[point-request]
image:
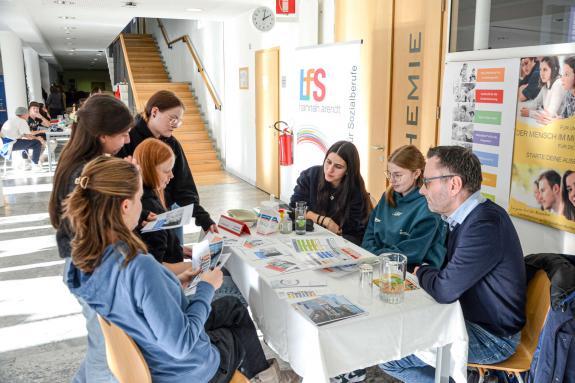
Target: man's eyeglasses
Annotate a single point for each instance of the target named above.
(393, 176)
(427, 181)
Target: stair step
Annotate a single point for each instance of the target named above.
(148, 63)
(138, 36)
(203, 166)
(198, 145)
(201, 155)
(132, 55)
(151, 59)
(150, 80)
(137, 50)
(150, 76)
(214, 177)
(153, 88)
(193, 136)
(140, 43)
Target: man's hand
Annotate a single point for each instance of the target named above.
(214, 277)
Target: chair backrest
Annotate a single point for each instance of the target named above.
(538, 302)
(124, 357)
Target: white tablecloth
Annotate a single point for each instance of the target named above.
(388, 332)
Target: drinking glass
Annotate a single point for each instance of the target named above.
(393, 267)
(300, 210)
(365, 293)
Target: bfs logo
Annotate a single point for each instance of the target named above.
(306, 79)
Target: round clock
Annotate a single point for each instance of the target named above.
(263, 19)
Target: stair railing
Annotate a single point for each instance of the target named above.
(186, 40)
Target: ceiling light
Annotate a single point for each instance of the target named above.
(194, 9)
(70, 38)
(67, 17)
(71, 53)
(72, 50)
(130, 4)
(64, 2)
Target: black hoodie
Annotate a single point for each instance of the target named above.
(182, 188)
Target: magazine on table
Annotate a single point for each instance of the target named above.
(170, 219)
(328, 309)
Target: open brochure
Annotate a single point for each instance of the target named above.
(328, 309)
(171, 219)
(200, 259)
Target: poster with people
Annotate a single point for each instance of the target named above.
(543, 175)
(479, 101)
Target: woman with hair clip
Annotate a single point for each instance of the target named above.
(568, 194)
(163, 114)
(335, 193)
(102, 127)
(181, 339)
(401, 222)
(156, 160)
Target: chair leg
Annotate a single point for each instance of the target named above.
(519, 378)
(481, 374)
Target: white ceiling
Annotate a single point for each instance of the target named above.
(93, 24)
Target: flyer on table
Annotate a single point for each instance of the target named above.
(543, 174)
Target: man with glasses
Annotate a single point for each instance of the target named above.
(484, 268)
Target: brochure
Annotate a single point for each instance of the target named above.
(285, 283)
(200, 259)
(328, 309)
(171, 219)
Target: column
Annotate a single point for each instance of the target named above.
(45, 75)
(32, 66)
(13, 66)
(482, 21)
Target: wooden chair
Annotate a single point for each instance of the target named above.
(537, 307)
(127, 362)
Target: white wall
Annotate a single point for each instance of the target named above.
(241, 41)
(207, 37)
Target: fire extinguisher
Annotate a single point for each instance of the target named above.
(285, 143)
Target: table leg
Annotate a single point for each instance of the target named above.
(442, 364)
(49, 153)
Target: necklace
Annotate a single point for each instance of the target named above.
(331, 197)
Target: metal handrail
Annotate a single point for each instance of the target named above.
(186, 40)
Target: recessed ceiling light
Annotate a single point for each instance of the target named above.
(67, 32)
(70, 38)
(71, 53)
(64, 2)
(194, 9)
(67, 17)
(130, 4)
(68, 27)
(72, 50)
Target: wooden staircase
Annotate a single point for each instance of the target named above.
(147, 76)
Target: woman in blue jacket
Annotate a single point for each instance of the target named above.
(181, 339)
(401, 221)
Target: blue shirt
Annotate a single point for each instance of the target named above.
(459, 215)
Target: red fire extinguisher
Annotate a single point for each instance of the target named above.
(285, 143)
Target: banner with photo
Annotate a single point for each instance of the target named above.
(478, 112)
(328, 102)
(543, 176)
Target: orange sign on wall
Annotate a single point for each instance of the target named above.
(491, 75)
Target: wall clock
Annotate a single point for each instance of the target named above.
(263, 19)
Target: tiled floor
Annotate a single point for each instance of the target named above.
(41, 327)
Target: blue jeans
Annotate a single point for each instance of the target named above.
(484, 348)
(94, 367)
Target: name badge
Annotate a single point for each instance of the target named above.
(233, 226)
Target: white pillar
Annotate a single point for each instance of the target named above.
(45, 75)
(482, 21)
(32, 65)
(13, 67)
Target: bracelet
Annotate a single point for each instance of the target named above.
(324, 217)
(317, 219)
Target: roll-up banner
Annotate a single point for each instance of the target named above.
(328, 102)
(478, 112)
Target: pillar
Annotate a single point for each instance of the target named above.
(13, 67)
(482, 21)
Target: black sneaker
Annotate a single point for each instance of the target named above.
(350, 377)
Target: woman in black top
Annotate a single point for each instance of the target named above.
(335, 193)
(162, 115)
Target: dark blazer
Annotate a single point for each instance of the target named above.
(484, 270)
(182, 188)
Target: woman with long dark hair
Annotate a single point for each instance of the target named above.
(335, 193)
(548, 101)
(181, 339)
(568, 194)
(102, 127)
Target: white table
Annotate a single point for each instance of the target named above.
(61, 136)
(388, 332)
